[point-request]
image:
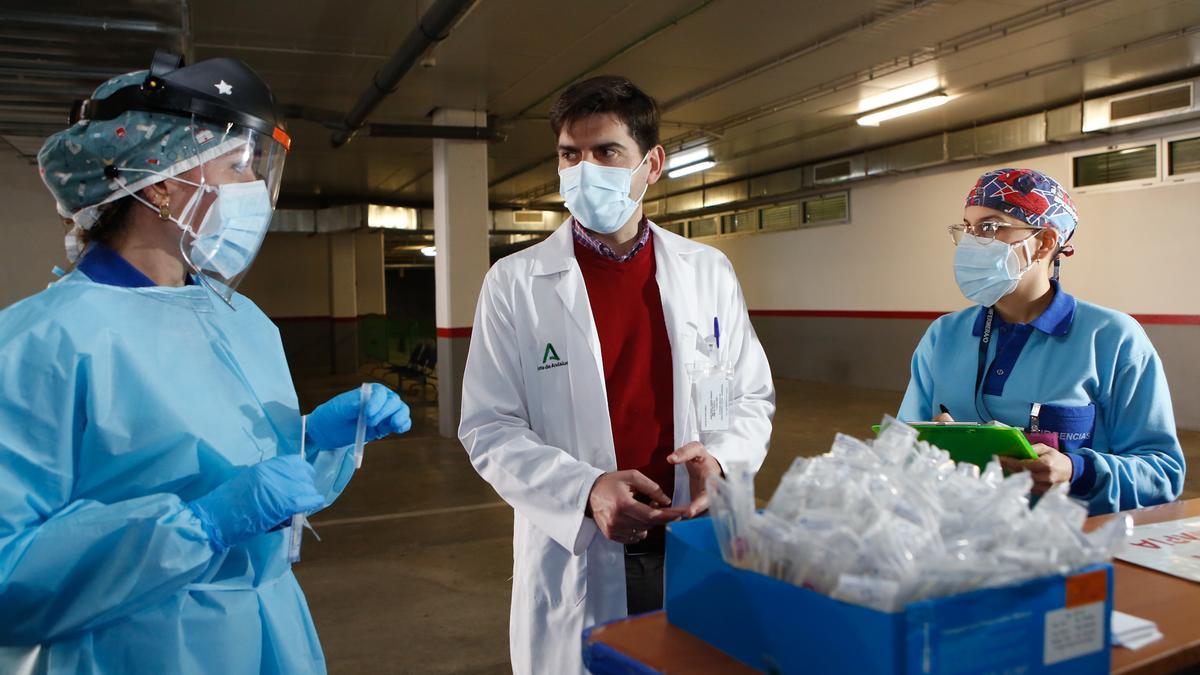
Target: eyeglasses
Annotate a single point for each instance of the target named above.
(985, 230)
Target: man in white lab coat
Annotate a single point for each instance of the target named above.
(577, 400)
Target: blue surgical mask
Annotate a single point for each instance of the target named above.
(986, 272)
(598, 196)
(233, 229)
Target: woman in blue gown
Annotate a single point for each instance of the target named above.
(150, 434)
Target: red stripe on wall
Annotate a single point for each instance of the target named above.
(845, 314)
(464, 332)
(1146, 319)
(1169, 319)
(297, 319)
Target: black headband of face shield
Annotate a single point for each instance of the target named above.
(157, 94)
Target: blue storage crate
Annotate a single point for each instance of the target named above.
(1055, 624)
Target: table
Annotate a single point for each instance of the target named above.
(1173, 603)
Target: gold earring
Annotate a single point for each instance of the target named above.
(164, 210)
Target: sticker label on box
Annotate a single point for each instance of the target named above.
(1084, 589)
(1072, 632)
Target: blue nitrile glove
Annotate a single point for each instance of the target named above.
(257, 499)
(333, 423)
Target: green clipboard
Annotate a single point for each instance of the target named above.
(974, 443)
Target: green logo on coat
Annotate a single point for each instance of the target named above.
(550, 355)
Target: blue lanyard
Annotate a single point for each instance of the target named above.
(985, 341)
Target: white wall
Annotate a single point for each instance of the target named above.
(1136, 249)
(1136, 252)
(32, 230)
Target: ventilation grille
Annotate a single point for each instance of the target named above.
(1166, 100)
(528, 217)
(827, 209)
(1183, 156)
(782, 217)
(1115, 166)
(831, 172)
(704, 227)
(1159, 105)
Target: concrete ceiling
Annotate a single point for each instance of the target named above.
(53, 52)
(769, 83)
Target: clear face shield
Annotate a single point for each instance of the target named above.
(227, 217)
(232, 207)
(236, 174)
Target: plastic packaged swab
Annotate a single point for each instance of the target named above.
(298, 519)
(360, 433)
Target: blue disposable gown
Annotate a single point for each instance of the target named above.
(119, 405)
(1097, 377)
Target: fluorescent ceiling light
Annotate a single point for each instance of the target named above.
(691, 169)
(429, 251)
(903, 109)
(687, 157)
(904, 93)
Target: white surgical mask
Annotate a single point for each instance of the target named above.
(233, 229)
(73, 241)
(598, 196)
(986, 272)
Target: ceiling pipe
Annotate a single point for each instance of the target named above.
(1053, 11)
(1036, 17)
(87, 22)
(334, 122)
(607, 59)
(488, 133)
(433, 27)
(866, 25)
(699, 130)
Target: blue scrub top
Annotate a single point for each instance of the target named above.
(120, 402)
(1097, 377)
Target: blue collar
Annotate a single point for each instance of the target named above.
(1056, 320)
(103, 265)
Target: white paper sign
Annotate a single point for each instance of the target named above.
(1172, 547)
(712, 402)
(1073, 632)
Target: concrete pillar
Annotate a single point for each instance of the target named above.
(372, 297)
(368, 264)
(343, 302)
(460, 232)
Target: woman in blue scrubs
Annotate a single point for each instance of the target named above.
(150, 434)
(1082, 380)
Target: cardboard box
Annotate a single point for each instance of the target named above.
(1057, 624)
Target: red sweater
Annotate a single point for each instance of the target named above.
(636, 351)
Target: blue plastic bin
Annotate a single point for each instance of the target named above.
(1057, 624)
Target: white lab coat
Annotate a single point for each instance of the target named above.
(537, 429)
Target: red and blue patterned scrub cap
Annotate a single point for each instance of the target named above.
(1028, 195)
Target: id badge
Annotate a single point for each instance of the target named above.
(711, 388)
